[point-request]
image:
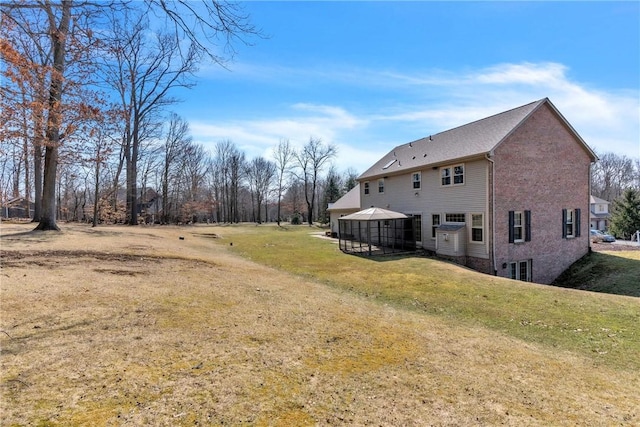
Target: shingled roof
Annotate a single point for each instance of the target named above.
(349, 201)
(467, 141)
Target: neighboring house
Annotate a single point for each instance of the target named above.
(599, 213)
(505, 195)
(347, 204)
(18, 207)
(149, 205)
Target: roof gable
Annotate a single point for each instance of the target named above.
(351, 200)
(594, 199)
(471, 140)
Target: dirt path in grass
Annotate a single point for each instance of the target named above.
(135, 326)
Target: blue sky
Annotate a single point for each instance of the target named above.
(367, 76)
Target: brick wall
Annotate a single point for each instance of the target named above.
(543, 168)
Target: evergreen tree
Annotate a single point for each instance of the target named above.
(625, 218)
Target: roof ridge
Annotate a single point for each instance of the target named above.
(540, 101)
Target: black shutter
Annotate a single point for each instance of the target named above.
(564, 223)
(527, 226)
(511, 223)
(577, 224)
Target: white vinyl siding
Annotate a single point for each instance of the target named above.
(435, 199)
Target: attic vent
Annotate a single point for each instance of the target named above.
(389, 163)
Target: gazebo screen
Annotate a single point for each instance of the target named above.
(377, 237)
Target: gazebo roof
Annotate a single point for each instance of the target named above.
(374, 214)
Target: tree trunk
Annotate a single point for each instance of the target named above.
(58, 44)
(37, 180)
(96, 189)
(48, 217)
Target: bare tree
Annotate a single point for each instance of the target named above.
(177, 136)
(260, 173)
(611, 175)
(229, 170)
(144, 73)
(205, 26)
(193, 168)
(284, 155)
(311, 160)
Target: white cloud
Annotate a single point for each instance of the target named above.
(607, 120)
(413, 105)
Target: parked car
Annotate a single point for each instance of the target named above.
(598, 236)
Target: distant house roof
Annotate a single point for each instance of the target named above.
(594, 199)
(374, 214)
(471, 140)
(349, 201)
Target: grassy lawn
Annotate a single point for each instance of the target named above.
(616, 272)
(603, 327)
(268, 326)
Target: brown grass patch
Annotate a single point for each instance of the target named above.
(132, 326)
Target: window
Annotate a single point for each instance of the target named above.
(416, 180)
(570, 223)
(457, 172)
(520, 270)
(519, 226)
(446, 176)
(418, 227)
(366, 188)
(518, 235)
(477, 228)
(435, 223)
(381, 185)
(454, 217)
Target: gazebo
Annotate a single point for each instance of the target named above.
(377, 231)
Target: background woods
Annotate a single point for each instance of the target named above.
(87, 131)
(96, 141)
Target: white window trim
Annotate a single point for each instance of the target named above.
(571, 219)
(521, 226)
(433, 235)
(366, 188)
(419, 181)
(482, 227)
(381, 180)
(452, 175)
(517, 266)
(446, 221)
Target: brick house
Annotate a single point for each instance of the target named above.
(506, 195)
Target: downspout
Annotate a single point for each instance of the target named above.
(493, 213)
(589, 209)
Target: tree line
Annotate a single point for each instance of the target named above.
(84, 80)
(85, 115)
(87, 131)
